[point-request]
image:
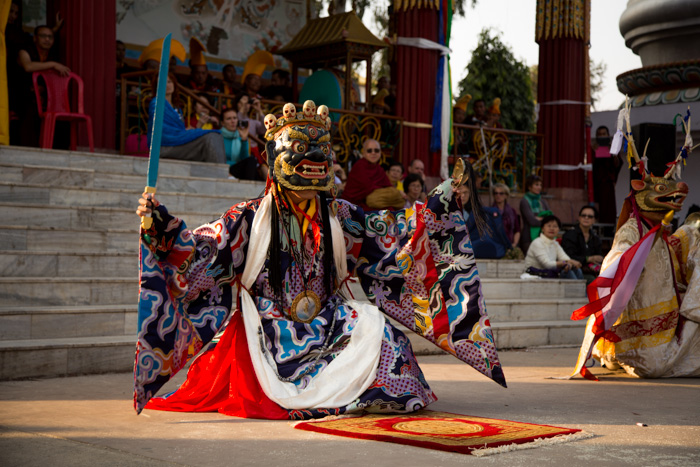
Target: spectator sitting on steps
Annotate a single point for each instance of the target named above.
(368, 186)
(546, 258)
(583, 245)
(179, 142)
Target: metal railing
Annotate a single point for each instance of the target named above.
(512, 154)
(349, 130)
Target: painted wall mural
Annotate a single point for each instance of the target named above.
(230, 29)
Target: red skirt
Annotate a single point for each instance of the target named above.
(223, 380)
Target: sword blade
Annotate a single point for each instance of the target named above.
(157, 130)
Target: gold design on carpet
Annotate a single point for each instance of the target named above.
(438, 427)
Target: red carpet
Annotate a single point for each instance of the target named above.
(437, 430)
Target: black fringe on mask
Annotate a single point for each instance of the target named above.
(275, 274)
(329, 271)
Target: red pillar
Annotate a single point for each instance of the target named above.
(562, 76)
(87, 42)
(414, 72)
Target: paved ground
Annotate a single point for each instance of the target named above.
(88, 421)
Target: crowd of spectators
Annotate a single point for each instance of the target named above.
(499, 231)
(236, 129)
(372, 183)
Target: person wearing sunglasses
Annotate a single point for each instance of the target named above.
(583, 245)
(511, 219)
(368, 185)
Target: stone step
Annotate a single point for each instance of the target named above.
(510, 335)
(53, 357)
(40, 176)
(80, 218)
(84, 196)
(534, 309)
(47, 358)
(100, 290)
(514, 335)
(110, 163)
(38, 239)
(502, 268)
(62, 264)
(53, 322)
(43, 322)
(67, 291)
(66, 261)
(514, 289)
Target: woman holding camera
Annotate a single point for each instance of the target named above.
(251, 115)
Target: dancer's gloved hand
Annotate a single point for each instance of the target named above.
(147, 203)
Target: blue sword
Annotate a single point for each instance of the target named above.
(157, 134)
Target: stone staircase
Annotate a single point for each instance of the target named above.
(69, 262)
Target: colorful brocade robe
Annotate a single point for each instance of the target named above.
(658, 333)
(416, 267)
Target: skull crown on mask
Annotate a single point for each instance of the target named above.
(298, 149)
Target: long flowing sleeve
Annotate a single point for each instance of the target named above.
(188, 284)
(418, 267)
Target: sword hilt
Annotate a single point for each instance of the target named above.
(147, 221)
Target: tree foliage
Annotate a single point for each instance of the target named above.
(494, 72)
(597, 76)
(380, 17)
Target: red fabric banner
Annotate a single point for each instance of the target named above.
(561, 77)
(88, 47)
(414, 72)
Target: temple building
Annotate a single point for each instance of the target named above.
(666, 36)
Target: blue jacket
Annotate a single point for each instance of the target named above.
(174, 131)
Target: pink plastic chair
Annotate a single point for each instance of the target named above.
(58, 107)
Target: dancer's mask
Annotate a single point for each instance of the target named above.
(298, 147)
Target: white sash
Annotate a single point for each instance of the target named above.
(348, 375)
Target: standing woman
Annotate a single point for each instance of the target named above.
(510, 218)
(533, 209)
(250, 114)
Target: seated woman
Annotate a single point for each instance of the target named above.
(179, 142)
(489, 241)
(583, 245)
(414, 187)
(368, 186)
(546, 258)
(241, 164)
(510, 218)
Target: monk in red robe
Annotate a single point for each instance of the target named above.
(368, 185)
